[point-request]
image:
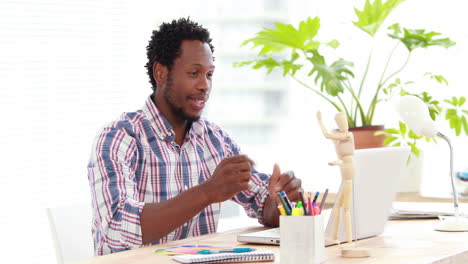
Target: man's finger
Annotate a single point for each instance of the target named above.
(275, 176)
(293, 185)
(239, 159)
(286, 177)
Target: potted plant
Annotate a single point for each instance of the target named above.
(297, 52)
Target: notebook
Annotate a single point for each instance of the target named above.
(253, 256)
(375, 186)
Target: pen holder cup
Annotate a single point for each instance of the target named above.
(302, 239)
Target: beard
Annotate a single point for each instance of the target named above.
(177, 110)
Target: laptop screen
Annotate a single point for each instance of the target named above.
(374, 188)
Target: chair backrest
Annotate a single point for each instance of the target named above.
(71, 232)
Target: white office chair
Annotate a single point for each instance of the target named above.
(71, 232)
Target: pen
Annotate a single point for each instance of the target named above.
(304, 205)
(285, 206)
(316, 196)
(286, 200)
(232, 250)
(324, 198)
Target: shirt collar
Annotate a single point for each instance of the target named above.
(162, 126)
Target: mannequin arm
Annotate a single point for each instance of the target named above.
(336, 163)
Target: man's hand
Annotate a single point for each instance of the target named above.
(284, 182)
(230, 177)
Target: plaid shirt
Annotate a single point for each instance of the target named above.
(135, 161)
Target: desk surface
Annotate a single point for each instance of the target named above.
(410, 241)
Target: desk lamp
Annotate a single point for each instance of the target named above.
(413, 111)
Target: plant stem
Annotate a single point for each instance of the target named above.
(358, 105)
(317, 92)
(362, 83)
(387, 63)
(370, 111)
(399, 70)
(373, 104)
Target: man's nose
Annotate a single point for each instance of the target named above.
(204, 84)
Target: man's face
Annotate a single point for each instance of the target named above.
(189, 82)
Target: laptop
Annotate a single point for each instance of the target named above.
(377, 174)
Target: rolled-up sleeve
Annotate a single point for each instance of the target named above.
(117, 208)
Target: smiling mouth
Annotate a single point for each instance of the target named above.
(198, 102)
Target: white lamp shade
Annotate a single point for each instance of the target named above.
(415, 114)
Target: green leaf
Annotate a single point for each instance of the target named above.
(371, 17)
(412, 135)
(465, 125)
(392, 131)
(458, 127)
(290, 68)
(452, 102)
(242, 63)
(439, 78)
(418, 38)
(268, 63)
(331, 77)
(402, 128)
(389, 140)
(286, 36)
(309, 28)
(461, 101)
(414, 149)
(333, 44)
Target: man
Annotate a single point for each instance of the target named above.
(160, 173)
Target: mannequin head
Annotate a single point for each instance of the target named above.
(342, 121)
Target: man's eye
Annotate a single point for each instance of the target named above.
(210, 75)
(193, 74)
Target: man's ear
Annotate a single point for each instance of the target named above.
(160, 73)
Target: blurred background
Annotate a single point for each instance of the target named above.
(69, 67)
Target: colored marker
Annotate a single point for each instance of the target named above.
(297, 212)
(299, 206)
(309, 204)
(316, 209)
(285, 206)
(281, 210)
(232, 250)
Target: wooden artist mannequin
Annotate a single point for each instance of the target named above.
(344, 146)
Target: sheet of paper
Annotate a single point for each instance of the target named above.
(435, 209)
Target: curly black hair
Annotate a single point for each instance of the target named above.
(164, 46)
